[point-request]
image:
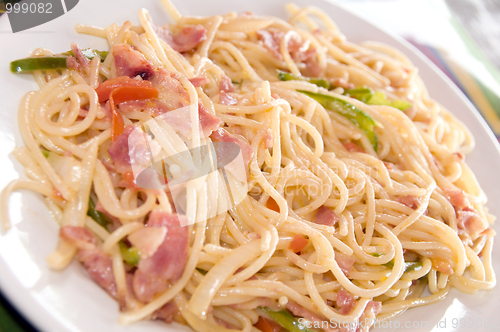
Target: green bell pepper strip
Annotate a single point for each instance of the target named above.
(52, 62)
(379, 98)
(129, 254)
(285, 76)
(362, 94)
(368, 96)
(357, 116)
(99, 217)
(38, 63)
(286, 320)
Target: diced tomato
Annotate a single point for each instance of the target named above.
(117, 124)
(57, 194)
(298, 243)
(129, 93)
(104, 89)
(267, 325)
(121, 95)
(129, 178)
(272, 205)
(351, 147)
(442, 265)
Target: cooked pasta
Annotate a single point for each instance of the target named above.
(353, 199)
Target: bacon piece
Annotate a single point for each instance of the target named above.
(72, 63)
(80, 237)
(82, 113)
(268, 140)
(325, 216)
(187, 39)
(226, 85)
(345, 301)
(172, 93)
(208, 121)
(129, 62)
(222, 135)
(352, 147)
(300, 311)
(311, 65)
(145, 287)
(373, 308)
(148, 240)
(298, 243)
(199, 81)
(271, 39)
(299, 50)
(98, 265)
(83, 62)
(169, 260)
(167, 313)
(345, 262)
(456, 197)
(408, 200)
(181, 121)
(470, 221)
(100, 268)
(227, 99)
(119, 151)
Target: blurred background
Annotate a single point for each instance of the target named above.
(462, 37)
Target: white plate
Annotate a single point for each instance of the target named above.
(69, 300)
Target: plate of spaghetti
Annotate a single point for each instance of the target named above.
(247, 166)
